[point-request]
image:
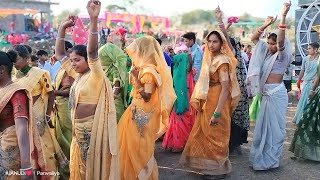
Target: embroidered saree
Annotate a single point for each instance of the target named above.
(143, 122)
(9, 148)
(62, 122)
(207, 148)
(269, 133)
(49, 155)
(310, 70)
(306, 141)
(94, 145)
(183, 115)
(114, 63)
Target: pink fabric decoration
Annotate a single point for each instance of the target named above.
(79, 35)
(233, 19)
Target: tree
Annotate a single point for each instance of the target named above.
(64, 15)
(198, 17)
(115, 8)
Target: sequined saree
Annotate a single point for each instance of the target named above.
(94, 145)
(144, 121)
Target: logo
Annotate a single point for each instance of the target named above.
(30, 172)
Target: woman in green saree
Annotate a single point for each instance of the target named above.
(114, 62)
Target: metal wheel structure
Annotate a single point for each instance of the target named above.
(304, 28)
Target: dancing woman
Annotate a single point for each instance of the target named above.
(215, 96)
(308, 74)
(146, 119)
(267, 66)
(94, 146)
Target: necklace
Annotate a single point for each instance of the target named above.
(26, 70)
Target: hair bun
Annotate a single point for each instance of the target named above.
(12, 55)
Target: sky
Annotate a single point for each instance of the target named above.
(167, 8)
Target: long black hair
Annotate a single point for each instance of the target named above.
(7, 60)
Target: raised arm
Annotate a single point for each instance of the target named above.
(93, 8)
(256, 36)
(282, 26)
(60, 51)
(222, 28)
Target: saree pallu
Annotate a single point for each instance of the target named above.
(9, 153)
(63, 130)
(207, 149)
(49, 154)
(306, 140)
(269, 132)
(180, 125)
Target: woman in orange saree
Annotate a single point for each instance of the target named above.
(215, 96)
(147, 117)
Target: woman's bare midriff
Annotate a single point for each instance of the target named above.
(274, 79)
(85, 110)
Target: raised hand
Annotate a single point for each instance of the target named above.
(69, 22)
(93, 8)
(270, 20)
(286, 8)
(218, 13)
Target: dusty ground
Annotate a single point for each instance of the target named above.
(169, 168)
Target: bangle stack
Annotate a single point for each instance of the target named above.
(282, 27)
(60, 38)
(94, 33)
(259, 31)
(26, 169)
(216, 114)
(221, 25)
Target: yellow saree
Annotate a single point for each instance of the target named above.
(47, 147)
(9, 148)
(94, 146)
(207, 147)
(143, 122)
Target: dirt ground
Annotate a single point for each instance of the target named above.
(169, 168)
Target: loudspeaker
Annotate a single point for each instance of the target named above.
(304, 3)
(298, 15)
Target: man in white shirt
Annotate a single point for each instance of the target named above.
(44, 64)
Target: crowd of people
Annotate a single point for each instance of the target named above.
(91, 112)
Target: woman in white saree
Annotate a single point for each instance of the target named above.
(266, 69)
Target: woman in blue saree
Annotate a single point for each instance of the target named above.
(308, 74)
(266, 69)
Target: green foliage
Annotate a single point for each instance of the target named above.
(64, 15)
(115, 8)
(198, 17)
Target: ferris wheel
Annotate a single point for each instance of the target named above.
(304, 28)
